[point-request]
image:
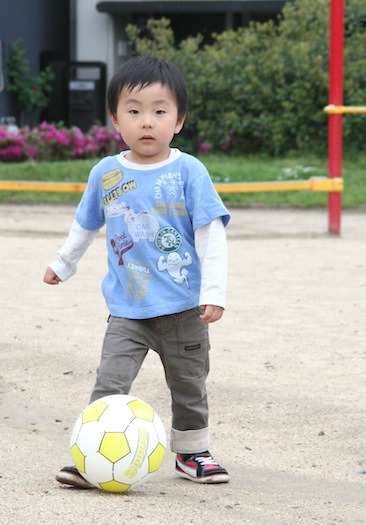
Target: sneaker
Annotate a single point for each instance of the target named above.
(200, 468)
(71, 476)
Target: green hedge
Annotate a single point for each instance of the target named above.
(263, 88)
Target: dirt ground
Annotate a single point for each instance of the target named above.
(287, 382)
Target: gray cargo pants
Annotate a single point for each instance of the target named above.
(181, 340)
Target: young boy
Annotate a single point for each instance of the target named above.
(167, 259)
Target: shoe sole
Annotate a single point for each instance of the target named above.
(67, 478)
(215, 478)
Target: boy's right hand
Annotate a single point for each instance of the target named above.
(50, 277)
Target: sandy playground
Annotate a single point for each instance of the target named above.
(287, 382)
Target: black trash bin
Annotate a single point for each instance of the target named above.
(86, 94)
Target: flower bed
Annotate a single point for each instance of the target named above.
(50, 142)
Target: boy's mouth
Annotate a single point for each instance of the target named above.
(147, 138)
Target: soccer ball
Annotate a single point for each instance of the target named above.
(117, 442)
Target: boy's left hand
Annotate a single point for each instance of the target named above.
(211, 313)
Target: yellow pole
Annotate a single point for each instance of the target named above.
(318, 184)
(313, 184)
(332, 109)
(22, 185)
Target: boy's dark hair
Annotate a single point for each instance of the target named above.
(144, 71)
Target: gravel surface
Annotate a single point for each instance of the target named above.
(287, 382)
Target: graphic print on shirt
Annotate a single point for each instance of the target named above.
(114, 209)
(110, 180)
(140, 225)
(139, 277)
(169, 195)
(168, 240)
(175, 266)
(120, 245)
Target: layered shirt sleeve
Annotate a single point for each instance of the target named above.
(211, 248)
(72, 251)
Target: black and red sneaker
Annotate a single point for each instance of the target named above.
(71, 476)
(200, 468)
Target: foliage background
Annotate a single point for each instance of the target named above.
(263, 88)
(31, 93)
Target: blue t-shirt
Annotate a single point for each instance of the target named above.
(151, 213)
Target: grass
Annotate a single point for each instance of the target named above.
(223, 168)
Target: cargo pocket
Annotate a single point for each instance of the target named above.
(193, 334)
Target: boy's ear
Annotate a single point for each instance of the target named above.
(114, 120)
(180, 124)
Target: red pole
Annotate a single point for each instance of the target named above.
(336, 45)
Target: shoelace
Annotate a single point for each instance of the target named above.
(203, 460)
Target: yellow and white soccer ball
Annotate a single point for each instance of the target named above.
(118, 442)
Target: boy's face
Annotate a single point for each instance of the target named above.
(147, 120)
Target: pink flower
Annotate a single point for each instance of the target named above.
(51, 142)
(204, 147)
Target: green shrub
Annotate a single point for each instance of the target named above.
(31, 93)
(263, 88)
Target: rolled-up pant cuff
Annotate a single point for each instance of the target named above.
(189, 441)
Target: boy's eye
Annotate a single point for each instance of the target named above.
(160, 112)
(133, 111)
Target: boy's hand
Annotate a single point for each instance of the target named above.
(211, 313)
(50, 277)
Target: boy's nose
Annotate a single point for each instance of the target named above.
(146, 122)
